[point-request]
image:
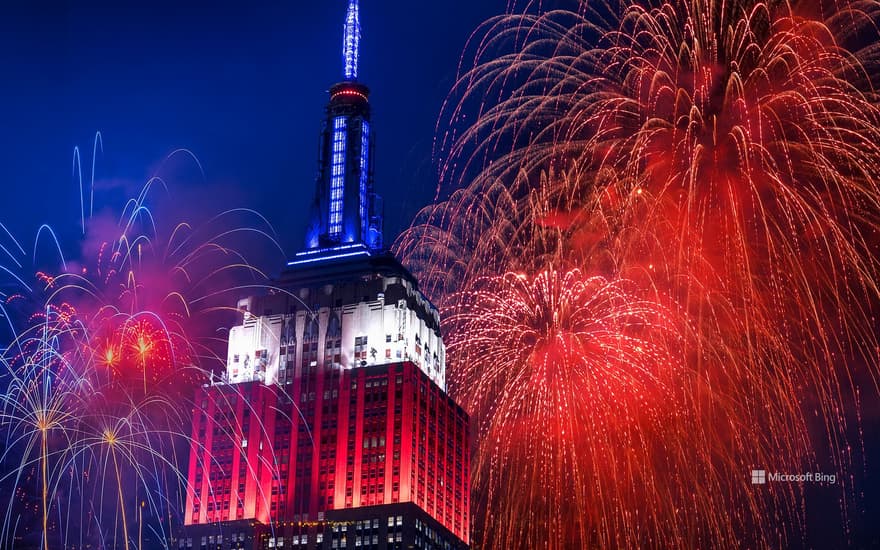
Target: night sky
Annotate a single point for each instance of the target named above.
(242, 85)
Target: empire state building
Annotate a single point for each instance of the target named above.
(331, 427)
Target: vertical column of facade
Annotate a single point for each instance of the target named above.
(212, 478)
(238, 472)
(444, 437)
(316, 415)
(452, 445)
(250, 452)
(419, 439)
(284, 446)
(305, 397)
(375, 447)
(327, 421)
(346, 402)
(266, 467)
(195, 473)
(434, 494)
(426, 446)
(392, 443)
(203, 472)
(357, 469)
(464, 482)
(295, 393)
(407, 435)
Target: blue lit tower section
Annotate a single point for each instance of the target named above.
(352, 41)
(346, 219)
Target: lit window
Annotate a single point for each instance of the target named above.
(337, 176)
(365, 172)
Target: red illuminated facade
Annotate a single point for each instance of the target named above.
(331, 427)
(364, 437)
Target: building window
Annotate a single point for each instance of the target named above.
(365, 173)
(333, 342)
(360, 348)
(337, 176)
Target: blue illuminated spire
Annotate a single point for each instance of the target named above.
(347, 214)
(352, 40)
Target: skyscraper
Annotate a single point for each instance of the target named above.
(331, 427)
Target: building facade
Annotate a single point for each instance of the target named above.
(331, 427)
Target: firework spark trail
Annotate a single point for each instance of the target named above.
(97, 389)
(722, 156)
(83, 420)
(585, 360)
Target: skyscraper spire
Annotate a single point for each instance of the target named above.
(352, 40)
(346, 217)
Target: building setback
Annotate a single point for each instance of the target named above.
(331, 427)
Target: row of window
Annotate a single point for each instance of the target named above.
(211, 539)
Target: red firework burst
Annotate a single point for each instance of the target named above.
(722, 154)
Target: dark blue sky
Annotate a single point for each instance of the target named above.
(242, 85)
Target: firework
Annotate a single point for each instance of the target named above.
(560, 367)
(722, 155)
(97, 387)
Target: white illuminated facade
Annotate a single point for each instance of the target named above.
(383, 320)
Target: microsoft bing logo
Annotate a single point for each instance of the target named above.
(759, 477)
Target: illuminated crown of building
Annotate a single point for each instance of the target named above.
(347, 296)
